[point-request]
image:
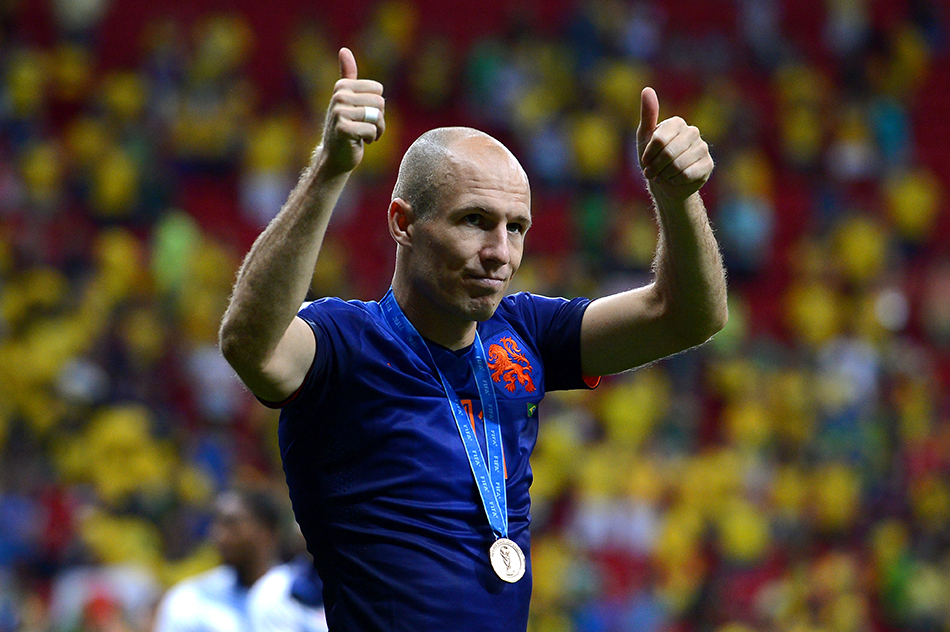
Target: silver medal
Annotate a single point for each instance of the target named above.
(507, 560)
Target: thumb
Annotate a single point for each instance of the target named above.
(649, 114)
(347, 64)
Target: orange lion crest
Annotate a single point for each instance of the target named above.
(507, 362)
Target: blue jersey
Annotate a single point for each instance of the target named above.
(380, 481)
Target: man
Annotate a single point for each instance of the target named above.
(288, 598)
(246, 531)
(407, 424)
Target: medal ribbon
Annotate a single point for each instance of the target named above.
(490, 477)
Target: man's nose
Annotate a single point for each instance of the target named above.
(495, 248)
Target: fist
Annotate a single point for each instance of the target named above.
(356, 115)
(674, 158)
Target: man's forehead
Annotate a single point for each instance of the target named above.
(483, 158)
(465, 149)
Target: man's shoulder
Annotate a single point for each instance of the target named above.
(530, 298)
(275, 582)
(209, 601)
(514, 303)
(516, 314)
(527, 304)
(217, 581)
(339, 312)
(272, 606)
(339, 305)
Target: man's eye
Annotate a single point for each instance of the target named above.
(473, 218)
(515, 228)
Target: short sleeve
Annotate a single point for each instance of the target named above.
(555, 325)
(337, 330)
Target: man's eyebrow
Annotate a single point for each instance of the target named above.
(523, 219)
(489, 210)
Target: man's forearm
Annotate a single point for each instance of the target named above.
(689, 273)
(259, 337)
(276, 273)
(686, 303)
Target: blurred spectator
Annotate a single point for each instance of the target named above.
(288, 598)
(848, 25)
(269, 169)
(108, 599)
(77, 19)
(641, 34)
(214, 105)
(746, 216)
(852, 154)
(431, 77)
(760, 24)
(246, 531)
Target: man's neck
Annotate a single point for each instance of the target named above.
(253, 570)
(432, 323)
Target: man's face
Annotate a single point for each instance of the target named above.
(235, 531)
(466, 251)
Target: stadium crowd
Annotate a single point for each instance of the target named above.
(793, 475)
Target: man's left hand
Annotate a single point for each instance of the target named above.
(673, 156)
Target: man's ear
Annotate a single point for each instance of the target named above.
(401, 218)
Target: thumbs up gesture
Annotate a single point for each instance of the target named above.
(355, 116)
(674, 158)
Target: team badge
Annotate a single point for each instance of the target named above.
(510, 366)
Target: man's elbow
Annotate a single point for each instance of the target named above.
(231, 346)
(246, 364)
(719, 319)
(700, 330)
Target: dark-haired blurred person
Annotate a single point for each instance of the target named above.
(246, 531)
(288, 598)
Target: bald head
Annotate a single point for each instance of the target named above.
(430, 161)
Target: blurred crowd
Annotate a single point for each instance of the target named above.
(793, 475)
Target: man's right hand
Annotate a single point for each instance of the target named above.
(346, 128)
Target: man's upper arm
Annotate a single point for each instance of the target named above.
(285, 372)
(627, 330)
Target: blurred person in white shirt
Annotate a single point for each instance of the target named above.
(288, 598)
(246, 531)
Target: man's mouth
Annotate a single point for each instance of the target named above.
(494, 283)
